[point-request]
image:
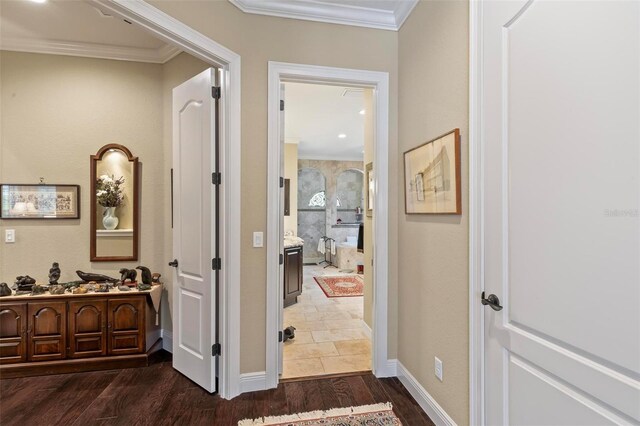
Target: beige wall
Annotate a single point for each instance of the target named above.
(258, 40)
(64, 109)
(433, 290)
(56, 112)
(291, 173)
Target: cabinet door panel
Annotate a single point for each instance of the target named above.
(47, 331)
(13, 333)
(87, 328)
(292, 275)
(126, 325)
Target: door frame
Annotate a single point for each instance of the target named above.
(280, 72)
(476, 215)
(189, 40)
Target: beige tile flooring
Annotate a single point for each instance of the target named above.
(330, 333)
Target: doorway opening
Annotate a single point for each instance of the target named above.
(327, 283)
(339, 330)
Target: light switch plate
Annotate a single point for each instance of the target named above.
(9, 236)
(438, 368)
(258, 239)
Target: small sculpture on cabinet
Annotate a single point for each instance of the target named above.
(54, 273)
(4, 290)
(80, 290)
(124, 288)
(37, 290)
(155, 278)
(128, 275)
(144, 287)
(88, 276)
(146, 274)
(24, 283)
(56, 289)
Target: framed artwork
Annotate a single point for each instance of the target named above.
(370, 189)
(39, 201)
(432, 176)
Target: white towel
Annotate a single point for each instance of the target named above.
(321, 245)
(333, 247)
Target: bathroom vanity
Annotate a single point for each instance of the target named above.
(292, 271)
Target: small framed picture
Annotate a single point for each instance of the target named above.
(370, 189)
(39, 201)
(432, 176)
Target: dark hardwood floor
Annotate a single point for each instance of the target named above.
(159, 395)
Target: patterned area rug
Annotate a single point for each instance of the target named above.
(341, 285)
(369, 415)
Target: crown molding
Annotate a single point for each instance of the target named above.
(90, 50)
(333, 13)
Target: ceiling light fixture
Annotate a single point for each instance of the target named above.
(342, 136)
(362, 112)
(39, 1)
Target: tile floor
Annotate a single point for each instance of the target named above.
(330, 333)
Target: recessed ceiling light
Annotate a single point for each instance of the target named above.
(362, 112)
(342, 136)
(39, 1)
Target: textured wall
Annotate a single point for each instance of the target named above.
(258, 40)
(433, 253)
(56, 112)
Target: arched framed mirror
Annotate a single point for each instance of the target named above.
(114, 204)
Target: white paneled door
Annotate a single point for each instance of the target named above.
(194, 229)
(560, 112)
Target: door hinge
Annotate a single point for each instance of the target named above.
(281, 258)
(216, 264)
(281, 182)
(216, 92)
(280, 336)
(281, 105)
(216, 178)
(216, 350)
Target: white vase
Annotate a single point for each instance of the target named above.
(109, 219)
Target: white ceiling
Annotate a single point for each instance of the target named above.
(76, 28)
(380, 14)
(316, 114)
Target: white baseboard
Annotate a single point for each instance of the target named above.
(167, 341)
(251, 382)
(426, 401)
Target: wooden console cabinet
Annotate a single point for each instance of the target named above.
(292, 275)
(70, 333)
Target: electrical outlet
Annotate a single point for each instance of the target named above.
(438, 368)
(258, 239)
(9, 236)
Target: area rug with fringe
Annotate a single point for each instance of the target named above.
(364, 415)
(341, 285)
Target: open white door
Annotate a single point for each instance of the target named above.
(281, 235)
(194, 229)
(560, 110)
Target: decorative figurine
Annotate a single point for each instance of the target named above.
(124, 288)
(4, 290)
(91, 286)
(79, 290)
(146, 274)
(37, 289)
(102, 288)
(24, 283)
(88, 276)
(56, 289)
(155, 278)
(128, 274)
(144, 287)
(54, 273)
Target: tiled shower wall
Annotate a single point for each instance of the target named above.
(313, 223)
